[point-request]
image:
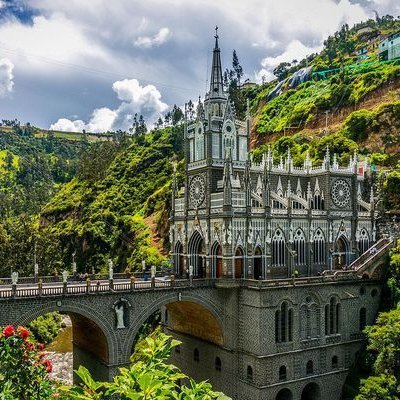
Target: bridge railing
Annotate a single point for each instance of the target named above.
(76, 278)
(89, 287)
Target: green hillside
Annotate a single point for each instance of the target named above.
(116, 211)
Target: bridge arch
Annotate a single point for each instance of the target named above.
(197, 300)
(95, 343)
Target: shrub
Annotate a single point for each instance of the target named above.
(148, 377)
(357, 124)
(23, 368)
(391, 188)
(46, 327)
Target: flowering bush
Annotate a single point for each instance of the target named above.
(23, 367)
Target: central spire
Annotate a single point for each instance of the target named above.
(216, 84)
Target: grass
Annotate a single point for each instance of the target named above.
(76, 136)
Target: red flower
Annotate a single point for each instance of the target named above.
(48, 365)
(40, 346)
(29, 346)
(24, 333)
(8, 331)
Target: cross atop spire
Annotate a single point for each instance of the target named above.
(216, 84)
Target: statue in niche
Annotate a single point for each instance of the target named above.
(120, 314)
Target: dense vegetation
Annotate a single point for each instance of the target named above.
(32, 169)
(105, 212)
(24, 374)
(348, 82)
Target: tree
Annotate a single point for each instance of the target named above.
(190, 110)
(282, 70)
(9, 160)
(159, 123)
(176, 115)
(148, 377)
(237, 67)
(384, 344)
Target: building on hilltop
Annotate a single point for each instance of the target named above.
(389, 48)
(242, 219)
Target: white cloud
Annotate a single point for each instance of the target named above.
(295, 50)
(6, 76)
(49, 41)
(66, 125)
(145, 100)
(146, 42)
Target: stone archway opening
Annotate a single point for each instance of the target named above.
(258, 264)
(341, 253)
(284, 394)
(80, 342)
(239, 263)
(197, 255)
(195, 320)
(311, 392)
(216, 259)
(180, 259)
(150, 325)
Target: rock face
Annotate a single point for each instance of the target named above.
(62, 367)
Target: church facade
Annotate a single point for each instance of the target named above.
(254, 227)
(270, 219)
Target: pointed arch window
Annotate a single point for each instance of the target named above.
(310, 321)
(216, 145)
(332, 317)
(199, 145)
(363, 242)
(363, 318)
(282, 373)
(309, 367)
(284, 323)
(249, 374)
(299, 246)
(319, 247)
(196, 355)
(218, 364)
(278, 249)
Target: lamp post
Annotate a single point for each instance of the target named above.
(35, 265)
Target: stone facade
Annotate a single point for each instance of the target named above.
(249, 224)
(313, 356)
(235, 217)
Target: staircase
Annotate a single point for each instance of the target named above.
(367, 265)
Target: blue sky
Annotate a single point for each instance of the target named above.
(92, 64)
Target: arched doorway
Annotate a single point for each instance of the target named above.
(216, 260)
(179, 259)
(341, 253)
(284, 394)
(311, 392)
(196, 254)
(258, 264)
(239, 262)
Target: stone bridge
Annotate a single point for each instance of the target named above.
(253, 339)
(197, 308)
